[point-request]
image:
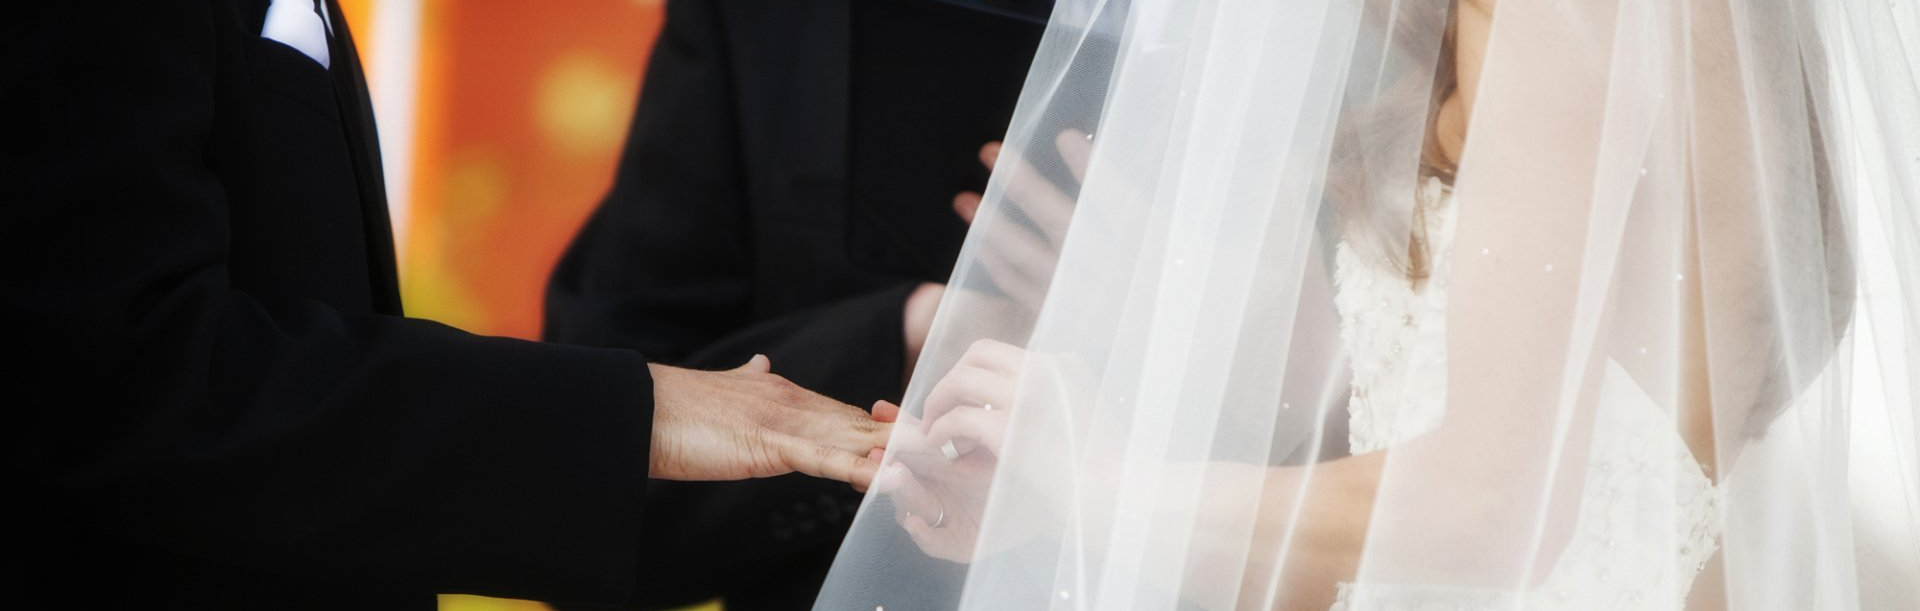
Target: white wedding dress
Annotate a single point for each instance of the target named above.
(1629, 548)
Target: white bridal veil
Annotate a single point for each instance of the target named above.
(1661, 353)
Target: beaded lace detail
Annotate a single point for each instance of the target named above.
(1649, 515)
(1396, 334)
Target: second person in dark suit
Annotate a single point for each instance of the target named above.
(788, 188)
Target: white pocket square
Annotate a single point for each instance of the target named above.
(294, 23)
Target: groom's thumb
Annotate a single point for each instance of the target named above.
(758, 364)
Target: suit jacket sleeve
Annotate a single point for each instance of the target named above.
(665, 266)
(279, 434)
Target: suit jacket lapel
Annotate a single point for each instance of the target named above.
(356, 116)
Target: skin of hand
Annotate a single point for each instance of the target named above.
(988, 367)
(747, 423)
(1324, 507)
(930, 488)
(927, 487)
(917, 316)
(1316, 516)
(1021, 262)
(1051, 205)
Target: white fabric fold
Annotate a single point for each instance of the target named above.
(295, 24)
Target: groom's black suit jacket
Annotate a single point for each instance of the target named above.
(213, 400)
(787, 180)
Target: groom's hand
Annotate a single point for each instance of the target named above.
(1021, 258)
(747, 422)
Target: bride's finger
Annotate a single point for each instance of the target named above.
(939, 543)
(886, 411)
(886, 480)
(968, 429)
(909, 442)
(911, 498)
(995, 356)
(967, 385)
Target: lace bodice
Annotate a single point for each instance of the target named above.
(1395, 334)
(1649, 514)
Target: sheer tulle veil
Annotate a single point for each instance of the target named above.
(1679, 276)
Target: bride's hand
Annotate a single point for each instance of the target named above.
(940, 469)
(987, 374)
(942, 466)
(939, 501)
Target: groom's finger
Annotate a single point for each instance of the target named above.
(1035, 196)
(966, 204)
(1020, 261)
(990, 154)
(827, 461)
(819, 418)
(852, 434)
(759, 364)
(798, 396)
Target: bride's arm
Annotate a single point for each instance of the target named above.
(1311, 522)
(1461, 505)
(1510, 324)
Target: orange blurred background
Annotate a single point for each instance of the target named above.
(500, 124)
